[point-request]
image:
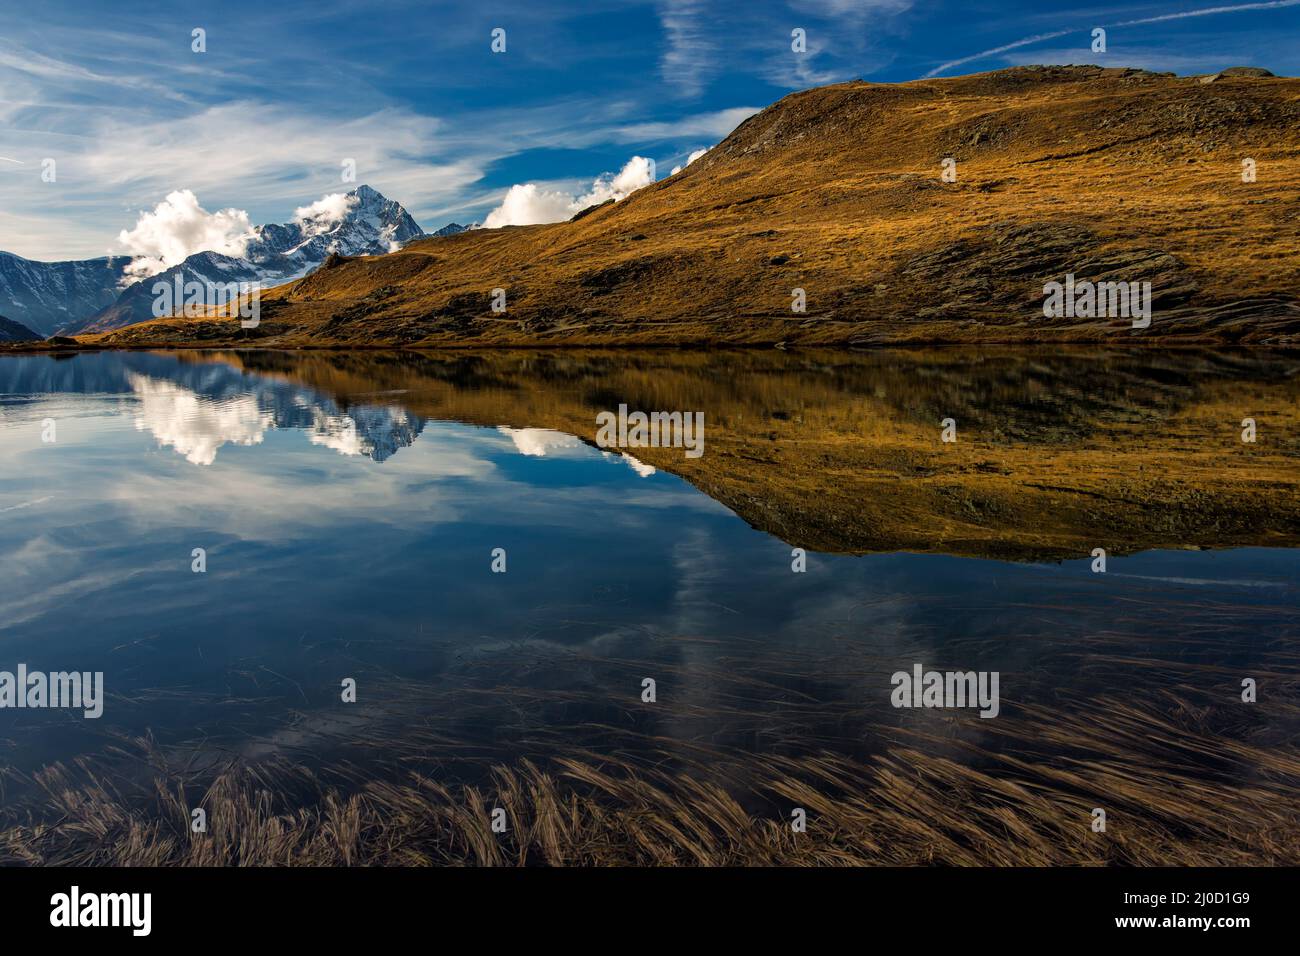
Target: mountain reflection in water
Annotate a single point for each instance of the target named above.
(349, 506)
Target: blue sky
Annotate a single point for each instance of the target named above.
(411, 91)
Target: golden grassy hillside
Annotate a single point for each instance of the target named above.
(1110, 174)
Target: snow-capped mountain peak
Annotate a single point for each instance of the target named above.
(362, 222)
(358, 223)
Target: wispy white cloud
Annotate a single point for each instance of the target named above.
(689, 55)
(1161, 18)
(1211, 11)
(1005, 48)
(60, 74)
(713, 125)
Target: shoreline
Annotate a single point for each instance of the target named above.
(1178, 343)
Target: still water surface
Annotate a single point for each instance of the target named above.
(349, 508)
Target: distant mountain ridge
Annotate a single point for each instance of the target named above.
(88, 296)
(453, 229)
(281, 252)
(49, 296)
(11, 331)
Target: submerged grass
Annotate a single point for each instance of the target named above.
(905, 808)
(1183, 781)
(1131, 704)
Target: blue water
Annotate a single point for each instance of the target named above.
(355, 540)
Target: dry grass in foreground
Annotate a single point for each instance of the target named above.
(1174, 795)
